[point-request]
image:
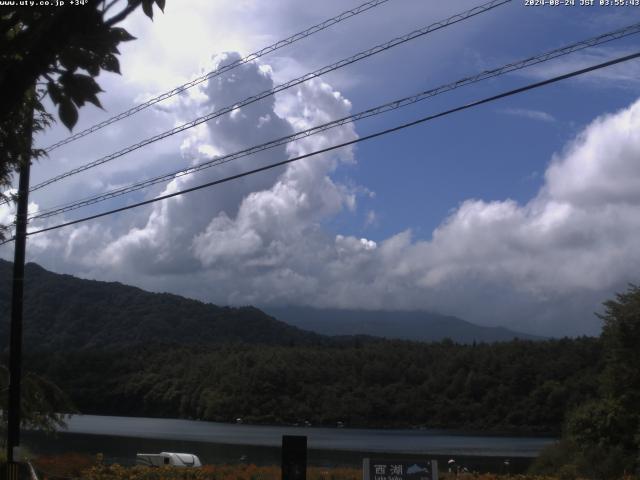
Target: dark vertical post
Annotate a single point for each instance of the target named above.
(15, 347)
(294, 457)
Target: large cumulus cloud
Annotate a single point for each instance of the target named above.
(188, 233)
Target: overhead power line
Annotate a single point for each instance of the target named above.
(222, 69)
(476, 103)
(396, 104)
(342, 63)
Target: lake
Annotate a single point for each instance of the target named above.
(119, 438)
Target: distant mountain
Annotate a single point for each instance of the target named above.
(65, 312)
(417, 325)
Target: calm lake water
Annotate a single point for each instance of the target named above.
(119, 438)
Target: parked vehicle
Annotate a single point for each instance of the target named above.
(168, 458)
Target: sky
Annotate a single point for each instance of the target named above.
(523, 212)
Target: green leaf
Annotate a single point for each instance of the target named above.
(110, 63)
(93, 68)
(67, 60)
(94, 99)
(147, 8)
(80, 88)
(68, 113)
(121, 34)
(54, 92)
(73, 58)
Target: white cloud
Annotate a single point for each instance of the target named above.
(371, 219)
(601, 166)
(531, 114)
(624, 75)
(259, 212)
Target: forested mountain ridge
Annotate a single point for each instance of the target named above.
(518, 386)
(417, 326)
(65, 312)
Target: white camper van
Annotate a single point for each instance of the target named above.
(168, 458)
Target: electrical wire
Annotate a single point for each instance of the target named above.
(342, 63)
(387, 131)
(222, 69)
(396, 104)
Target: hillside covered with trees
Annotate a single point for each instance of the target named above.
(63, 312)
(116, 349)
(525, 386)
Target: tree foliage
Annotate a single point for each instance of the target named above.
(43, 404)
(621, 336)
(602, 434)
(64, 49)
(63, 312)
(55, 52)
(367, 383)
(615, 425)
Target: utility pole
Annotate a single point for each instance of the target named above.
(15, 347)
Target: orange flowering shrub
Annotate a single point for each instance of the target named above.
(340, 473)
(212, 472)
(67, 465)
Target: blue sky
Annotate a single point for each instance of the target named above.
(521, 212)
(479, 153)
